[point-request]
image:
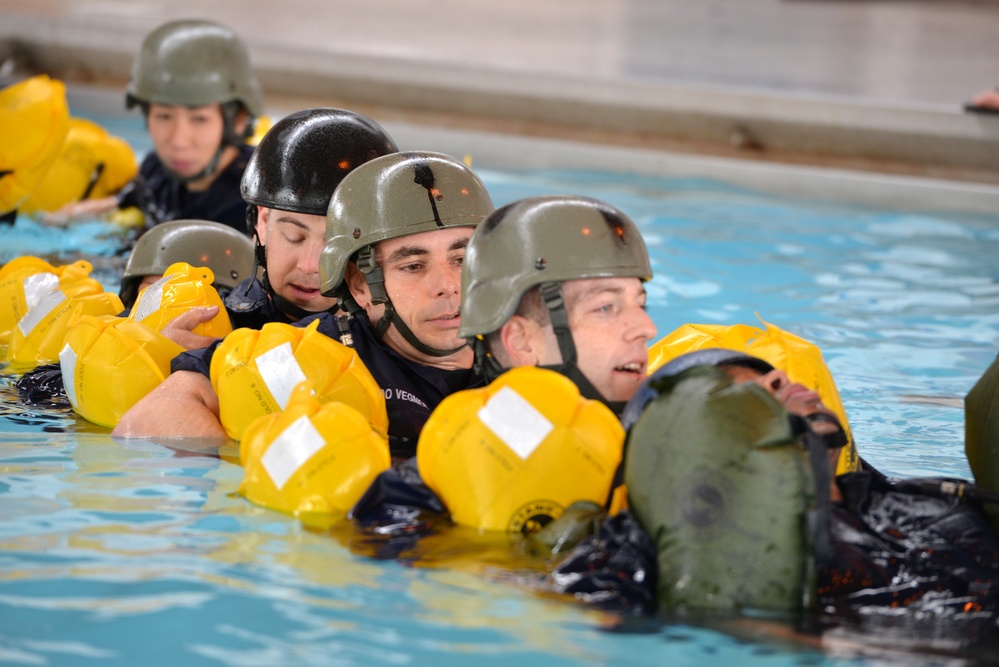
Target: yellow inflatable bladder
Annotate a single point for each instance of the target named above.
(313, 458)
(181, 288)
(91, 164)
(799, 358)
(513, 455)
(254, 372)
(108, 363)
(49, 299)
(23, 281)
(34, 121)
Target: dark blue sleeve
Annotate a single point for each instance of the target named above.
(196, 361)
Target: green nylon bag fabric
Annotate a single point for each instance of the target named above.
(719, 481)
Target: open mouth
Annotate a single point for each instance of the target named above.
(632, 367)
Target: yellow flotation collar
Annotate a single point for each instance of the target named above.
(181, 288)
(91, 164)
(253, 373)
(109, 363)
(261, 126)
(800, 359)
(513, 455)
(312, 458)
(34, 121)
(23, 281)
(39, 333)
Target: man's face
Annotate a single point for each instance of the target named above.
(294, 242)
(423, 280)
(185, 138)
(611, 331)
(798, 400)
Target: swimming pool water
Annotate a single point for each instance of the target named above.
(139, 553)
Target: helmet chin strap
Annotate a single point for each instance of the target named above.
(209, 169)
(551, 296)
(375, 279)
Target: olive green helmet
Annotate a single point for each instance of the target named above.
(227, 252)
(193, 63)
(397, 195)
(543, 240)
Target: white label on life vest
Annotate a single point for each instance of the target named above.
(67, 363)
(37, 286)
(515, 421)
(281, 373)
(45, 305)
(150, 299)
(290, 450)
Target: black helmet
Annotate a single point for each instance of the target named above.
(300, 162)
(304, 156)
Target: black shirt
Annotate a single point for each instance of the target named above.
(412, 390)
(162, 198)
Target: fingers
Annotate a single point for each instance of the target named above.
(181, 329)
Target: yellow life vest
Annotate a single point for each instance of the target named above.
(109, 363)
(260, 127)
(91, 164)
(800, 359)
(513, 455)
(181, 288)
(253, 374)
(38, 335)
(23, 281)
(312, 458)
(34, 120)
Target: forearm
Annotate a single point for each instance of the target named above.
(182, 406)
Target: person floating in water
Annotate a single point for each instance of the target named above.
(724, 470)
(200, 98)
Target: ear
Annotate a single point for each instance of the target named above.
(240, 121)
(357, 285)
(521, 338)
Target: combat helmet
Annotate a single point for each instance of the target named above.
(195, 63)
(392, 196)
(224, 250)
(542, 242)
(301, 161)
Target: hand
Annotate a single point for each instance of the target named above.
(988, 99)
(181, 328)
(88, 208)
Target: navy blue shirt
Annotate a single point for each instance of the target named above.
(250, 307)
(412, 390)
(162, 198)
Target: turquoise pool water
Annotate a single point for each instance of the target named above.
(139, 553)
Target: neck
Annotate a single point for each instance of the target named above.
(229, 154)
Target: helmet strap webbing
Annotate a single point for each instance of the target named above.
(485, 363)
(375, 279)
(204, 173)
(551, 296)
(259, 252)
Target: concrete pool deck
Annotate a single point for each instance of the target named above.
(843, 99)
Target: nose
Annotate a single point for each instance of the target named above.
(308, 258)
(641, 326)
(773, 381)
(179, 132)
(447, 278)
